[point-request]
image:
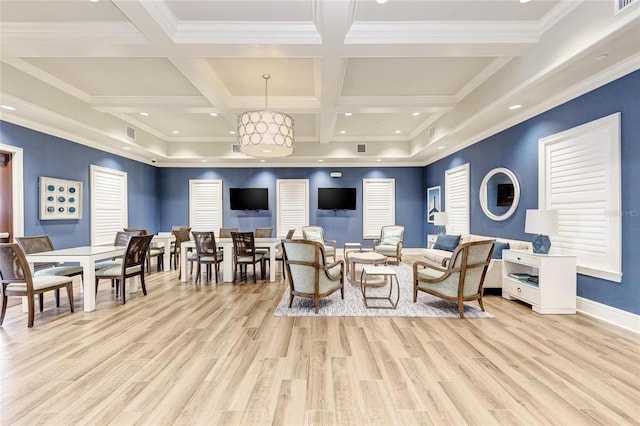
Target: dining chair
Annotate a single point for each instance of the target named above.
(132, 265)
(16, 280)
(153, 252)
(264, 233)
(244, 254)
(207, 253)
(121, 240)
(316, 233)
(309, 274)
(226, 232)
(182, 234)
(461, 280)
(38, 244)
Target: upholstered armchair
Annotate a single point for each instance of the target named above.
(309, 275)
(316, 233)
(390, 242)
(461, 280)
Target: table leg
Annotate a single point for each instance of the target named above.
(272, 264)
(166, 261)
(227, 263)
(183, 264)
(89, 273)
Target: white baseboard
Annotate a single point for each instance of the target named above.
(606, 313)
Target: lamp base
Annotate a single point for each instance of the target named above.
(541, 244)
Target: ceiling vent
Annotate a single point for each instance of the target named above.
(432, 131)
(131, 132)
(620, 5)
(235, 148)
(361, 148)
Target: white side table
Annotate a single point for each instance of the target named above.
(382, 275)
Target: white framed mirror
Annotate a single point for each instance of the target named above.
(499, 194)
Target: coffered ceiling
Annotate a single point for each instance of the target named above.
(408, 82)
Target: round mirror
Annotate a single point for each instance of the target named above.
(499, 194)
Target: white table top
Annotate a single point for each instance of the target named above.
(79, 251)
(378, 270)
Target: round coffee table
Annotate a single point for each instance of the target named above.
(364, 258)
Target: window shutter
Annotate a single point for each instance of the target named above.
(293, 205)
(379, 206)
(108, 204)
(580, 178)
(456, 199)
(205, 204)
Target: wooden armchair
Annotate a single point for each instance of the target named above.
(316, 233)
(16, 280)
(309, 275)
(461, 280)
(390, 241)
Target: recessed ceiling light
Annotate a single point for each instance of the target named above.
(175, 132)
(10, 108)
(262, 161)
(377, 159)
(126, 148)
(398, 132)
(94, 1)
(517, 106)
(145, 114)
(381, 1)
(525, 1)
(342, 132)
(203, 161)
(320, 161)
(415, 114)
(441, 147)
(232, 132)
(348, 114)
(213, 114)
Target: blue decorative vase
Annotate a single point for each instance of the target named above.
(541, 244)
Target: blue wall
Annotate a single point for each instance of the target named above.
(343, 226)
(46, 155)
(517, 149)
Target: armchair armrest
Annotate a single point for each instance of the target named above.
(425, 265)
(331, 243)
(375, 243)
(333, 265)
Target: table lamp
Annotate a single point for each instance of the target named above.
(542, 223)
(440, 220)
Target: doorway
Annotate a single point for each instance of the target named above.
(6, 197)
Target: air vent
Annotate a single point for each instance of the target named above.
(235, 148)
(620, 5)
(432, 131)
(361, 148)
(131, 132)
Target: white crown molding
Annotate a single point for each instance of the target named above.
(246, 32)
(115, 32)
(162, 15)
(135, 104)
(473, 32)
(495, 66)
(555, 15)
(609, 314)
(424, 103)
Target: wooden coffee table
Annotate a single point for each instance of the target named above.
(364, 258)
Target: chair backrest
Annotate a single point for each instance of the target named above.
(14, 267)
(264, 232)
(304, 261)
(123, 237)
(182, 235)
(136, 250)
(313, 233)
(37, 244)
(205, 243)
(391, 234)
(290, 233)
(226, 232)
(470, 262)
(140, 231)
(243, 244)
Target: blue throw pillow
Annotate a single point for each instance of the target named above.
(447, 242)
(497, 250)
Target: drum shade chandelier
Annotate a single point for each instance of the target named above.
(264, 133)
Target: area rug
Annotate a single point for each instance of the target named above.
(353, 304)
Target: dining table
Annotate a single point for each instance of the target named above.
(87, 257)
(227, 260)
(164, 239)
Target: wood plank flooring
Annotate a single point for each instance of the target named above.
(214, 354)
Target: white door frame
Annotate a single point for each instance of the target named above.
(17, 160)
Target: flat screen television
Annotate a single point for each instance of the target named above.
(336, 198)
(249, 198)
(505, 194)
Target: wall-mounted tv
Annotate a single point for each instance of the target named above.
(336, 198)
(249, 198)
(505, 194)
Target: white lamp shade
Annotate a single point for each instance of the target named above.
(440, 218)
(265, 133)
(541, 222)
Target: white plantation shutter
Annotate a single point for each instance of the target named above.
(108, 204)
(205, 204)
(379, 206)
(456, 199)
(580, 178)
(293, 206)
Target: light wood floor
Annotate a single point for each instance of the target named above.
(215, 354)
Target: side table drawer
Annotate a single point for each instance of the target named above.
(522, 291)
(521, 258)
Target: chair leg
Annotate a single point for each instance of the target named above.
(5, 301)
(197, 272)
(70, 296)
(41, 301)
(31, 313)
(144, 287)
(480, 303)
(121, 284)
(461, 308)
(57, 296)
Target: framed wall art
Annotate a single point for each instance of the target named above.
(60, 199)
(434, 204)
